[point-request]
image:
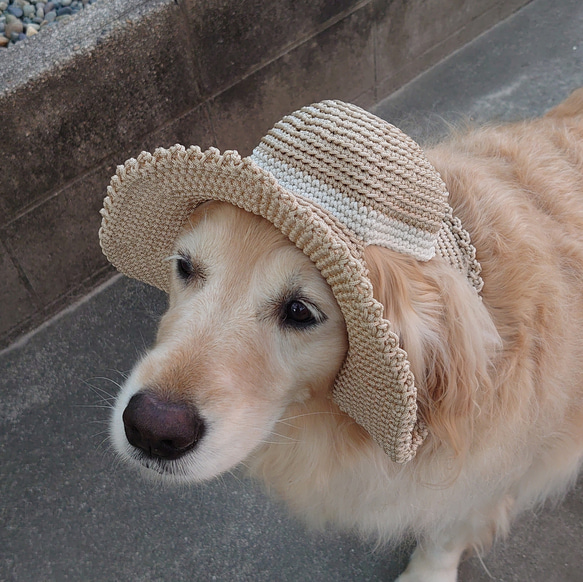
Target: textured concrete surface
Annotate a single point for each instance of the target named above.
(70, 512)
(520, 69)
(127, 75)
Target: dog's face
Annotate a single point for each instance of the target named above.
(252, 327)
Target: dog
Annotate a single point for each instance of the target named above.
(253, 339)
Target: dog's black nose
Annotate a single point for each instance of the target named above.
(162, 428)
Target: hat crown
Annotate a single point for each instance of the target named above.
(368, 174)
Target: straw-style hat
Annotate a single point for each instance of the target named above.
(333, 179)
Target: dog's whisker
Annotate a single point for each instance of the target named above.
(293, 442)
(104, 445)
(223, 482)
(480, 559)
(99, 404)
(108, 398)
(245, 465)
(271, 432)
(101, 432)
(106, 378)
(102, 394)
(315, 413)
(124, 375)
(286, 437)
(99, 391)
(144, 343)
(261, 429)
(235, 476)
(102, 402)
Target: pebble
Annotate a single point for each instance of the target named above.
(15, 10)
(13, 26)
(20, 19)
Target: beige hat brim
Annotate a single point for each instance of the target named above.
(151, 197)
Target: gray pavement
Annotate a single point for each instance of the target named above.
(69, 511)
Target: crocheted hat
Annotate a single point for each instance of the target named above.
(334, 179)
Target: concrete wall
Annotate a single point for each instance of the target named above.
(128, 75)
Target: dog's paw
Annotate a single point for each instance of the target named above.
(413, 575)
(431, 564)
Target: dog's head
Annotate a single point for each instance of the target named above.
(251, 327)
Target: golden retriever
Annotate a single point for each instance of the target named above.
(248, 350)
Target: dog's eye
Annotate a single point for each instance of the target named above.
(184, 268)
(298, 314)
(187, 269)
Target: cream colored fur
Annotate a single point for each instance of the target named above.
(500, 379)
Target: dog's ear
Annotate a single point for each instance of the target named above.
(447, 333)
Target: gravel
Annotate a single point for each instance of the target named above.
(20, 19)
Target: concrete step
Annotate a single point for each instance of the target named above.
(68, 511)
(127, 75)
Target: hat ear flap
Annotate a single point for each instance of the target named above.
(447, 333)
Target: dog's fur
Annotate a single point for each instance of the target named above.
(500, 380)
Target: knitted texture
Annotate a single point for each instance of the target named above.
(333, 179)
